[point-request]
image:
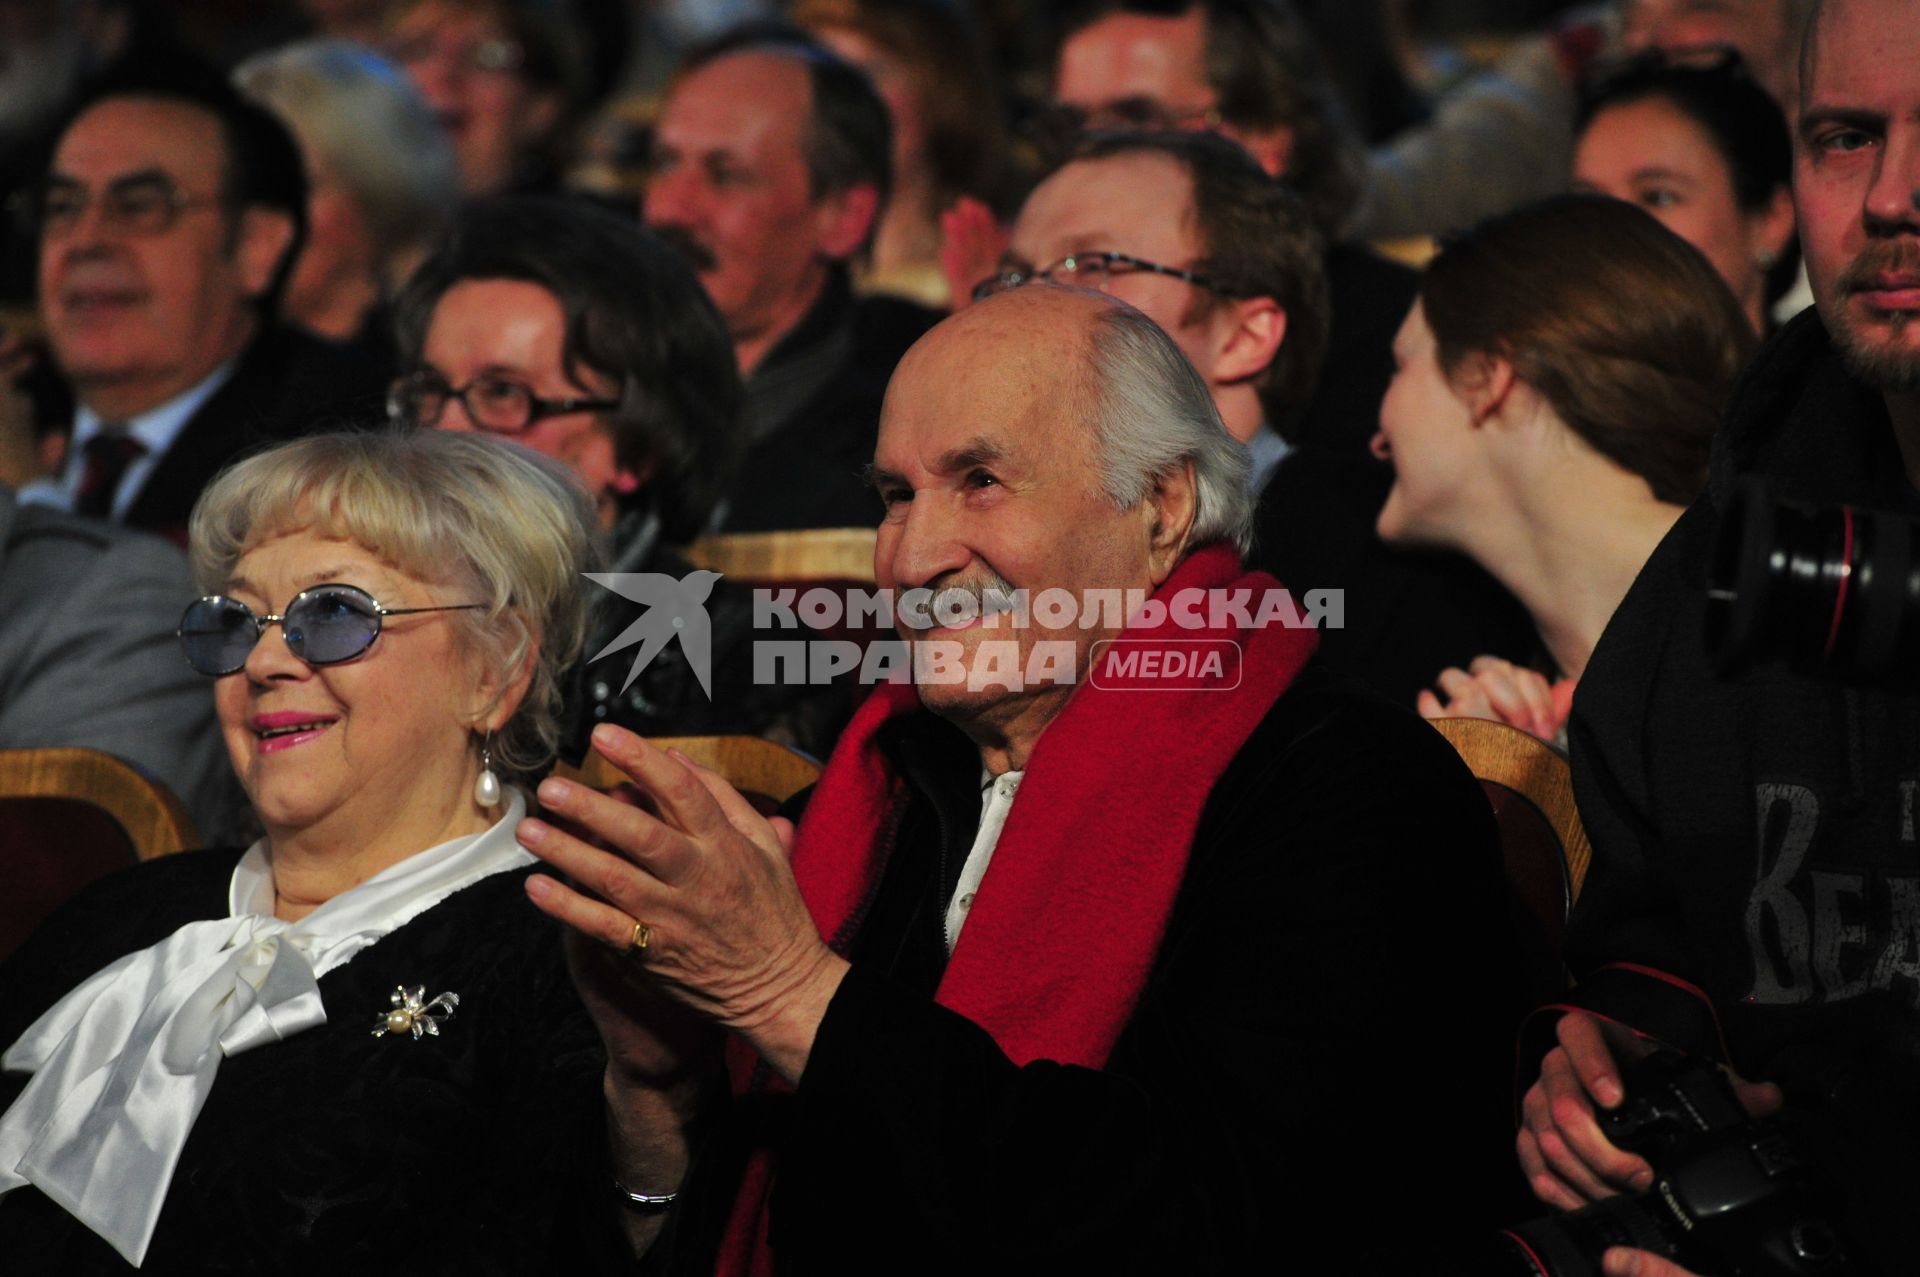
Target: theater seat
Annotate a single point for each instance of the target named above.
(69, 816)
(834, 559)
(765, 773)
(827, 555)
(1530, 785)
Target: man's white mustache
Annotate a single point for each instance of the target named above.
(959, 604)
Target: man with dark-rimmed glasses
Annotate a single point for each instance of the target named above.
(1186, 227)
(166, 224)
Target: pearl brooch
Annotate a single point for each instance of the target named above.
(414, 1012)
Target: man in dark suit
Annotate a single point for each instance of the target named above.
(167, 221)
(1111, 946)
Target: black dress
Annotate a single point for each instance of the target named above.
(480, 1150)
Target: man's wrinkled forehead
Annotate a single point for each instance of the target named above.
(754, 102)
(1005, 375)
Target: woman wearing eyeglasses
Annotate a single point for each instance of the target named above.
(506, 79)
(575, 332)
(353, 1046)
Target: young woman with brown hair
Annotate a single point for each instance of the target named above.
(1559, 379)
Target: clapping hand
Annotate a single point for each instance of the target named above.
(697, 893)
(1505, 692)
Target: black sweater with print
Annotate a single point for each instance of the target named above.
(1755, 887)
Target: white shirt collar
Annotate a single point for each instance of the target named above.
(997, 795)
(1268, 450)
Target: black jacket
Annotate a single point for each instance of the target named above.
(1754, 835)
(1410, 612)
(1342, 899)
(1370, 297)
(813, 414)
(287, 383)
(481, 1150)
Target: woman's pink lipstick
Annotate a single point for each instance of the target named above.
(285, 729)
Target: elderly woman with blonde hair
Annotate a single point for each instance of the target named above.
(352, 1046)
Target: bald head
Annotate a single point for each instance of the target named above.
(1091, 375)
(1037, 339)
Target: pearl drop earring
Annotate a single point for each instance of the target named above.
(486, 790)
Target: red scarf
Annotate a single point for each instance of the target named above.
(1108, 806)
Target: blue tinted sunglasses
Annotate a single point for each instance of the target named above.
(325, 625)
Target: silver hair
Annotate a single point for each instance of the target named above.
(1151, 412)
(482, 515)
(361, 118)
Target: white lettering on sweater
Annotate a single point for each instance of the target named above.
(1820, 934)
(1786, 943)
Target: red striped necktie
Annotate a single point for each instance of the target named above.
(106, 457)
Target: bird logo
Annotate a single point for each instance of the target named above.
(676, 608)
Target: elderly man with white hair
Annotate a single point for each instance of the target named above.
(1089, 968)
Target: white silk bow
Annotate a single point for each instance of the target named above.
(123, 1064)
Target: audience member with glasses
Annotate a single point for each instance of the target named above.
(1190, 230)
(505, 78)
(166, 223)
(581, 335)
(351, 1045)
(1084, 270)
(1250, 71)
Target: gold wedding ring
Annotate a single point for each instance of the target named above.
(642, 936)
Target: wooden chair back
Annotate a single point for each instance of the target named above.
(830, 558)
(69, 816)
(1530, 786)
(767, 774)
(811, 554)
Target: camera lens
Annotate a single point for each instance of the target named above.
(1814, 1241)
(1832, 590)
(1571, 1245)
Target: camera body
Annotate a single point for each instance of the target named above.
(1731, 1196)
